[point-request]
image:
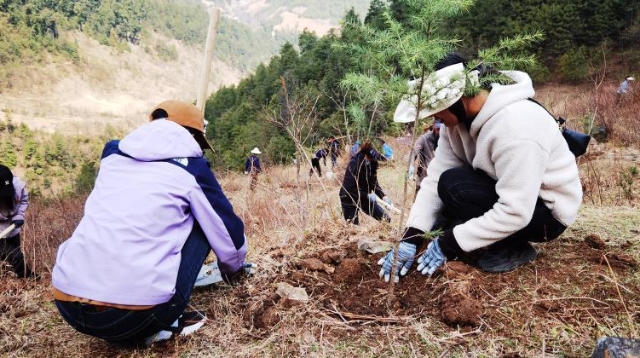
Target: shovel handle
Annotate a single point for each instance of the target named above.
(6, 231)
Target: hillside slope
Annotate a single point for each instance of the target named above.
(106, 87)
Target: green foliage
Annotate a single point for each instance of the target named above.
(86, 178)
(8, 156)
(167, 52)
(566, 24)
(627, 178)
(573, 65)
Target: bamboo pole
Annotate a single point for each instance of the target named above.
(205, 74)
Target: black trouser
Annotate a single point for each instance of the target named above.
(315, 164)
(352, 204)
(10, 251)
(468, 194)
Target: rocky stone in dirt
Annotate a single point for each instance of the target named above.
(332, 256)
(372, 246)
(594, 241)
(616, 347)
(289, 292)
(314, 264)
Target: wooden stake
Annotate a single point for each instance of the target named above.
(214, 21)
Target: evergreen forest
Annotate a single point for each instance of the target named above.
(577, 38)
(300, 94)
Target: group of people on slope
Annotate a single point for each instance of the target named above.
(502, 176)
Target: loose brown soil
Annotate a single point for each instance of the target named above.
(345, 285)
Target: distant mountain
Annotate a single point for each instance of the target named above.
(278, 16)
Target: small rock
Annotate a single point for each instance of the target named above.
(373, 247)
(289, 292)
(616, 347)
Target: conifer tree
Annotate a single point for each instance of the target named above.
(414, 40)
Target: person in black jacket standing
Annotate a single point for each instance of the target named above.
(360, 188)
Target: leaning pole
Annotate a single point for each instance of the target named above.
(205, 74)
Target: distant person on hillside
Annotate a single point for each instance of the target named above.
(355, 148)
(360, 188)
(14, 201)
(315, 161)
(334, 150)
(624, 88)
(252, 167)
(156, 211)
(386, 150)
(502, 176)
(424, 151)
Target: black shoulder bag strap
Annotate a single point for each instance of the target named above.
(578, 142)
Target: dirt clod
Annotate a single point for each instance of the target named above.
(594, 241)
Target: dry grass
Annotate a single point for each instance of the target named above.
(557, 307)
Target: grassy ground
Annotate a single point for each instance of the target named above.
(575, 292)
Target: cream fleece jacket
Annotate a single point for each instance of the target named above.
(517, 143)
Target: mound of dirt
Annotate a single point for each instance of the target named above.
(343, 282)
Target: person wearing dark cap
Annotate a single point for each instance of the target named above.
(156, 211)
(14, 201)
(360, 188)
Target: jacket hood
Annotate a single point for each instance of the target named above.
(501, 96)
(160, 140)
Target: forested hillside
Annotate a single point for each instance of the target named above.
(580, 40)
(31, 27)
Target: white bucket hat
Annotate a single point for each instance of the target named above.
(441, 89)
(256, 151)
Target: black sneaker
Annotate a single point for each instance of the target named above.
(186, 324)
(504, 257)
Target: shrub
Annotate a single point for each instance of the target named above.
(573, 65)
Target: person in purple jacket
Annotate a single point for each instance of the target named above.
(14, 201)
(156, 210)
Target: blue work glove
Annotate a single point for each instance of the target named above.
(372, 197)
(387, 200)
(406, 254)
(412, 170)
(17, 223)
(432, 259)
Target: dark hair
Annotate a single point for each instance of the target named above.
(450, 59)
(159, 113)
(366, 147)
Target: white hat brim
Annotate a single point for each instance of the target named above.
(441, 89)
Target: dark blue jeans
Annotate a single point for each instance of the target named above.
(10, 251)
(133, 326)
(468, 194)
(352, 205)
